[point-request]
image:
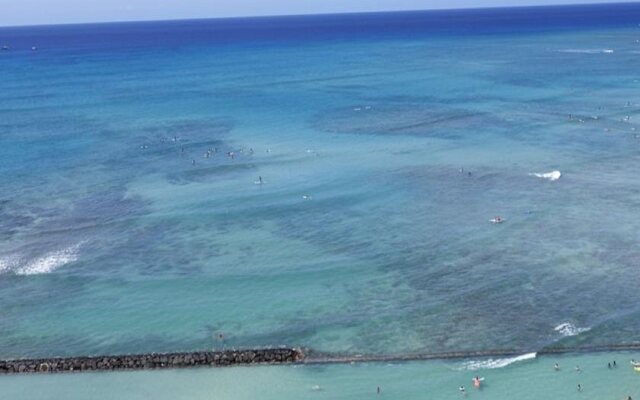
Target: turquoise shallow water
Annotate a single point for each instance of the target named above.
(534, 379)
(132, 217)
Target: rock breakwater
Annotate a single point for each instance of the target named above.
(153, 361)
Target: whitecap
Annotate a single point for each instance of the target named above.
(492, 363)
(49, 262)
(587, 51)
(5, 264)
(552, 176)
(568, 329)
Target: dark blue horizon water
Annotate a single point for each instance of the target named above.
(133, 216)
(337, 27)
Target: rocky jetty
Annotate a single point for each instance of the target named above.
(153, 361)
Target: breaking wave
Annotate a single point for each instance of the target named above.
(587, 51)
(568, 329)
(552, 176)
(492, 363)
(5, 265)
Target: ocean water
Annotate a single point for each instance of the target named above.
(323, 181)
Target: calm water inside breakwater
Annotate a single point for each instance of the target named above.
(526, 380)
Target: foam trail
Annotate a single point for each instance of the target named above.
(496, 363)
(49, 262)
(568, 329)
(552, 176)
(587, 51)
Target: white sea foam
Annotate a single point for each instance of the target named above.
(552, 176)
(492, 363)
(5, 264)
(569, 329)
(587, 51)
(48, 262)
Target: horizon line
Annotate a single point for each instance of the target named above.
(240, 17)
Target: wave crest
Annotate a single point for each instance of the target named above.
(568, 329)
(587, 51)
(492, 363)
(552, 176)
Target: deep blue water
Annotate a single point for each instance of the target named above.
(132, 217)
(303, 30)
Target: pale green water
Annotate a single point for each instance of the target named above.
(534, 379)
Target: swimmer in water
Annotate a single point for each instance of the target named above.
(378, 390)
(609, 365)
(461, 389)
(579, 388)
(556, 367)
(578, 368)
(193, 162)
(477, 382)
(614, 364)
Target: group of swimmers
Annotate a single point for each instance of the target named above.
(477, 383)
(610, 365)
